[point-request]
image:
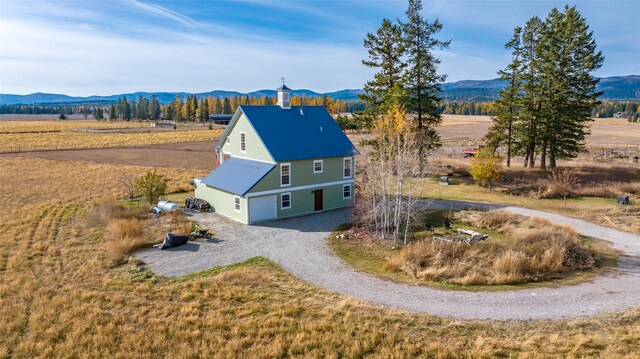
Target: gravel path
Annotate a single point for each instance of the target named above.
(299, 245)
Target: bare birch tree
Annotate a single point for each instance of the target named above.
(388, 191)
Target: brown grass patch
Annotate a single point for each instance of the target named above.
(129, 229)
(538, 251)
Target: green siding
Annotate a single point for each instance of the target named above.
(222, 202)
(302, 201)
(302, 174)
(255, 149)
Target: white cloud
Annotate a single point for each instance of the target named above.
(164, 12)
(37, 56)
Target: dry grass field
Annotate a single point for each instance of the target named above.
(63, 295)
(18, 136)
(606, 132)
(196, 155)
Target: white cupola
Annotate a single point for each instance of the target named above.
(284, 99)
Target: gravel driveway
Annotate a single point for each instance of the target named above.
(299, 245)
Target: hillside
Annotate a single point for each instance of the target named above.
(614, 88)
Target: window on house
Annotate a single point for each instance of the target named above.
(237, 203)
(285, 201)
(285, 174)
(346, 191)
(243, 141)
(347, 168)
(228, 140)
(317, 166)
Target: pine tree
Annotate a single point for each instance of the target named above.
(226, 106)
(155, 108)
(218, 106)
(507, 105)
(204, 110)
(99, 114)
(386, 50)
(568, 56)
(126, 109)
(421, 78)
(112, 113)
(528, 126)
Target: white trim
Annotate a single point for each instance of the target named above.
(243, 142)
(291, 189)
(350, 189)
(288, 164)
(344, 167)
(285, 194)
(227, 131)
(321, 166)
(239, 209)
(253, 159)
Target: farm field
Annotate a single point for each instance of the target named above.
(23, 136)
(607, 132)
(189, 155)
(61, 294)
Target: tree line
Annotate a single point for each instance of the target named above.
(543, 113)
(629, 109)
(187, 108)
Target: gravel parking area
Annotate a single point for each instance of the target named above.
(299, 245)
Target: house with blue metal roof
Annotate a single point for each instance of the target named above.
(280, 161)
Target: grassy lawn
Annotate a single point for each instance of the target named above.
(603, 211)
(61, 296)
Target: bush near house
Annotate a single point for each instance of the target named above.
(151, 186)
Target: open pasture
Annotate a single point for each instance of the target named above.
(25, 136)
(60, 295)
(195, 155)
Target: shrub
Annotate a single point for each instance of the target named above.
(151, 186)
(486, 168)
(127, 230)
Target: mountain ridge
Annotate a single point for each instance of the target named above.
(614, 87)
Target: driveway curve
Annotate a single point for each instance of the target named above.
(299, 245)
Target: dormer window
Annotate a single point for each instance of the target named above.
(243, 142)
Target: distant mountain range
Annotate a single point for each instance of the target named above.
(617, 87)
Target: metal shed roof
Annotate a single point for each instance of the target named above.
(237, 175)
(298, 134)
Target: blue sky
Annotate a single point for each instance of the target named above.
(115, 46)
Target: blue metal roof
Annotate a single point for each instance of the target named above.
(237, 175)
(294, 134)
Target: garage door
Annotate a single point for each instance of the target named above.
(262, 208)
